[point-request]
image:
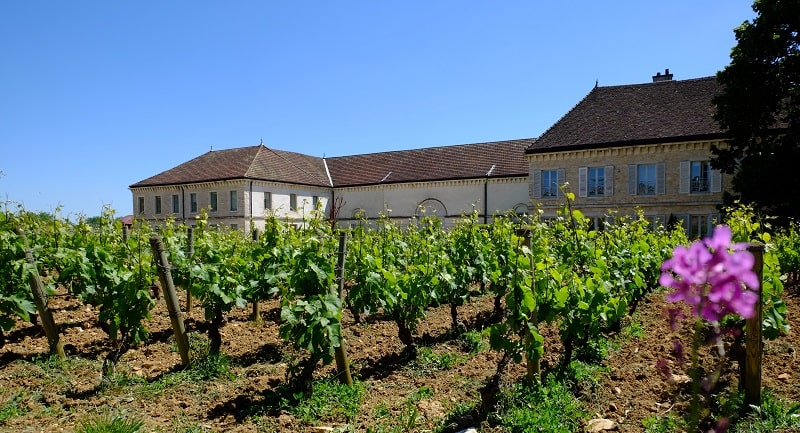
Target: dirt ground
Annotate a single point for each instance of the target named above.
(630, 387)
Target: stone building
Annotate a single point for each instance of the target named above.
(634, 147)
(620, 150)
(241, 186)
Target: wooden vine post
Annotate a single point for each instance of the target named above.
(171, 298)
(534, 366)
(342, 363)
(256, 308)
(753, 338)
(39, 297)
(190, 253)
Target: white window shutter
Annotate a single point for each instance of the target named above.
(716, 181)
(684, 177)
(609, 175)
(632, 179)
(661, 178)
(582, 188)
(561, 175)
(537, 183)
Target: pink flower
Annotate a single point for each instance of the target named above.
(714, 276)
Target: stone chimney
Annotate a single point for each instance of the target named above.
(666, 77)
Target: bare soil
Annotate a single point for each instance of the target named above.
(629, 388)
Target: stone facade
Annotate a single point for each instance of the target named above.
(673, 196)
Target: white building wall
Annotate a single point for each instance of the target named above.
(450, 199)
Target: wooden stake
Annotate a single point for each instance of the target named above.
(171, 297)
(39, 297)
(753, 338)
(256, 308)
(190, 253)
(342, 363)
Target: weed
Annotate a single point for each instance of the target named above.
(663, 424)
(633, 330)
(110, 424)
(10, 406)
(428, 362)
(549, 407)
(472, 342)
(773, 415)
(331, 400)
(420, 394)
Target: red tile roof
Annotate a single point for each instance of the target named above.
(254, 162)
(466, 161)
(636, 114)
(497, 159)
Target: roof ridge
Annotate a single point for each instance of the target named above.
(532, 139)
(665, 82)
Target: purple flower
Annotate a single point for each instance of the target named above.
(714, 276)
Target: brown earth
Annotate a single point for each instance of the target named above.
(629, 388)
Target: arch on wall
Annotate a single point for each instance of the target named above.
(359, 213)
(431, 207)
(521, 209)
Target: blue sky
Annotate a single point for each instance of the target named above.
(97, 95)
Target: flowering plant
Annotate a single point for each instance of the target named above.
(712, 275)
(715, 277)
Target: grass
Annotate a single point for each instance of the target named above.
(10, 406)
(428, 361)
(549, 407)
(106, 423)
(331, 401)
(773, 415)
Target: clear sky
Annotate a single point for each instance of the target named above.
(98, 95)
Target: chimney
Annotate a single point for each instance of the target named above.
(666, 77)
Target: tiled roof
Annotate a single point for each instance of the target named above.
(636, 114)
(498, 159)
(254, 162)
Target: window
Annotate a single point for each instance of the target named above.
(315, 201)
(193, 202)
(549, 183)
(647, 179)
(597, 223)
(141, 204)
(292, 201)
(234, 201)
(158, 204)
(657, 222)
(234, 226)
(546, 183)
(267, 200)
(212, 200)
(700, 225)
(697, 177)
(596, 181)
(176, 203)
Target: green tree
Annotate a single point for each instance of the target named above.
(759, 107)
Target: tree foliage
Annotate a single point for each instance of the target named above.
(759, 107)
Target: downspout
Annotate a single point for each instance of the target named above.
(486, 200)
(183, 204)
(251, 202)
(486, 195)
